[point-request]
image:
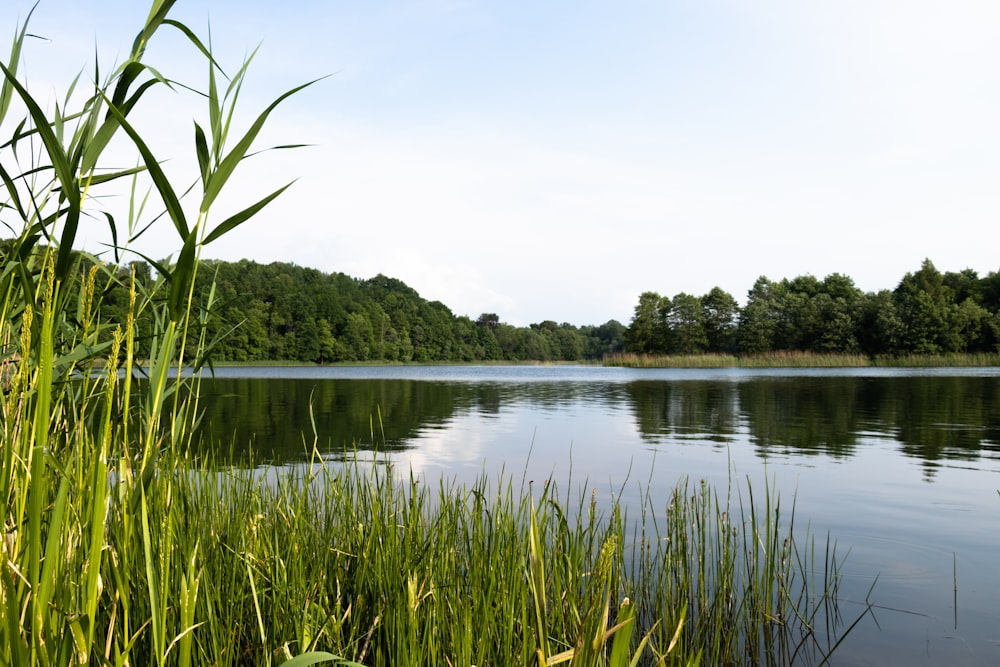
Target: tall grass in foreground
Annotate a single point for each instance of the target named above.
(91, 571)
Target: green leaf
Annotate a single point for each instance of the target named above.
(194, 40)
(19, 649)
(228, 164)
(15, 58)
(201, 148)
(47, 584)
(114, 235)
(157, 15)
(163, 186)
(221, 133)
(108, 128)
(183, 274)
(97, 179)
(52, 146)
(316, 657)
(80, 352)
(233, 221)
(69, 186)
(622, 635)
(278, 148)
(126, 78)
(12, 192)
(160, 267)
(64, 259)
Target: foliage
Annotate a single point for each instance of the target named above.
(929, 313)
(284, 312)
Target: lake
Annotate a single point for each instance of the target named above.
(900, 466)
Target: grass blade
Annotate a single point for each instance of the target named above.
(160, 181)
(228, 164)
(234, 221)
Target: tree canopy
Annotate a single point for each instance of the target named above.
(928, 312)
(285, 312)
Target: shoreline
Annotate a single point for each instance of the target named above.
(628, 360)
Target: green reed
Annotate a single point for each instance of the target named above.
(708, 360)
(243, 566)
(778, 359)
(91, 567)
(383, 569)
(798, 359)
(952, 359)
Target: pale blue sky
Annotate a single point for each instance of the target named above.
(553, 160)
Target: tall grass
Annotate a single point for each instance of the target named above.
(951, 359)
(797, 359)
(89, 569)
(777, 359)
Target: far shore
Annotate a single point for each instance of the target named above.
(788, 359)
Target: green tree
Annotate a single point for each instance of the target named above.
(760, 317)
(488, 321)
(922, 301)
(968, 327)
(646, 332)
(327, 343)
(882, 329)
(720, 312)
(569, 342)
(358, 337)
(608, 338)
(837, 330)
(686, 323)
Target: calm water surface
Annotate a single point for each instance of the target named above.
(901, 467)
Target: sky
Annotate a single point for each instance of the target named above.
(553, 160)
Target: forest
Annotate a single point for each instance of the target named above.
(928, 313)
(284, 312)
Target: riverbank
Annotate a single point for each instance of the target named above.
(802, 360)
(628, 360)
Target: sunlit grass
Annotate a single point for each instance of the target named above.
(383, 569)
(796, 359)
(778, 359)
(954, 359)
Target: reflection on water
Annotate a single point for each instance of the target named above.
(930, 418)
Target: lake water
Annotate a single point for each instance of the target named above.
(901, 467)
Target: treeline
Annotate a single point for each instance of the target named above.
(285, 312)
(928, 312)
